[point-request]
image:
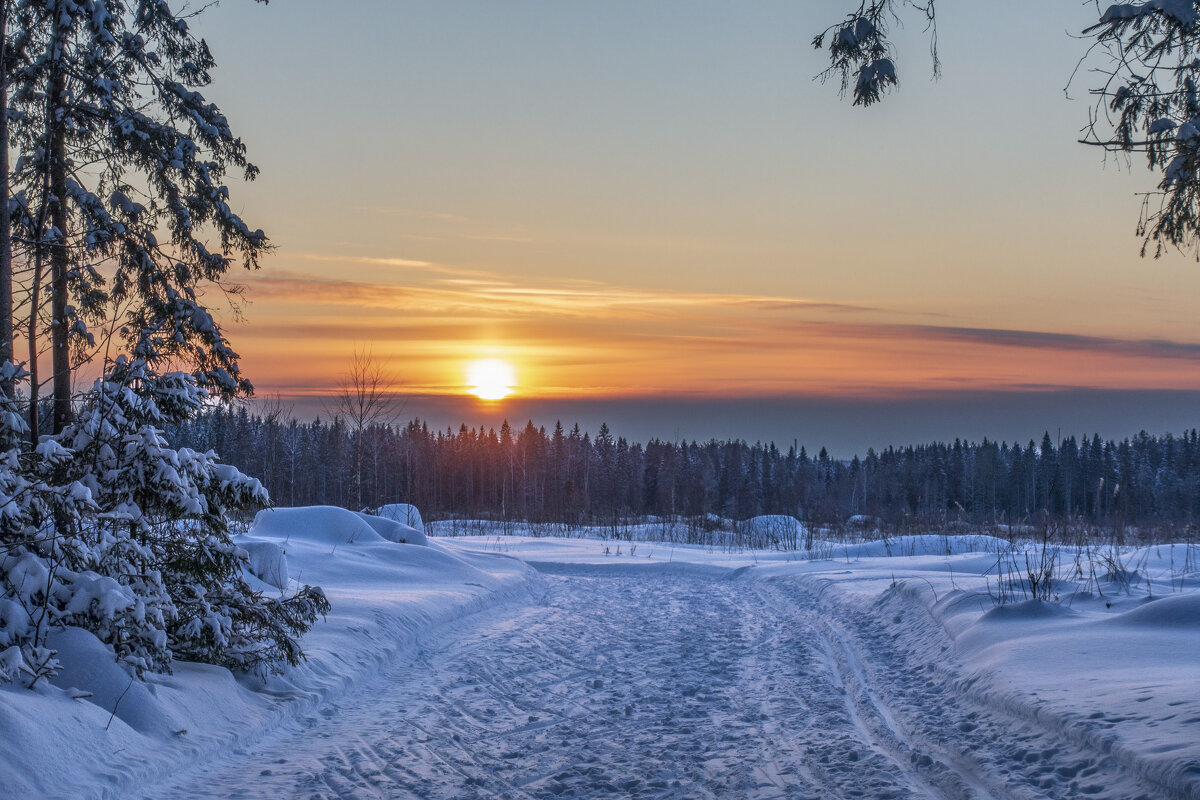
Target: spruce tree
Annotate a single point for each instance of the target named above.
(121, 212)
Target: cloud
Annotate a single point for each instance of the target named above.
(579, 336)
(409, 264)
(477, 291)
(345, 259)
(695, 319)
(501, 238)
(1030, 340)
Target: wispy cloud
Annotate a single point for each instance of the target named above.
(1023, 339)
(485, 293)
(722, 321)
(418, 265)
(327, 258)
(500, 238)
(578, 336)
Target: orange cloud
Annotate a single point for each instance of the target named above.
(577, 337)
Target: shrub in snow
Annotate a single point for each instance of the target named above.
(107, 528)
(47, 577)
(776, 530)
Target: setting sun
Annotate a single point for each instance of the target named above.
(491, 379)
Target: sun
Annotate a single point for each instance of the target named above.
(491, 378)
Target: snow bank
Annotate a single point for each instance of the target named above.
(394, 531)
(1172, 611)
(1109, 663)
(63, 740)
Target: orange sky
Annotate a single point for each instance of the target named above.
(569, 337)
(656, 200)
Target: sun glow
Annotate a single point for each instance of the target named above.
(491, 379)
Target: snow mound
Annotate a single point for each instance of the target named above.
(394, 531)
(268, 562)
(1178, 611)
(927, 544)
(327, 524)
(404, 514)
(90, 664)
(779, 527)
(1026, 610)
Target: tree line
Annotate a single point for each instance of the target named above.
(570, 476)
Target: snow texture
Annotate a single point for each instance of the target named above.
(326, 524)
(514, 666)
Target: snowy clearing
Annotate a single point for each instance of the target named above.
(509, 666)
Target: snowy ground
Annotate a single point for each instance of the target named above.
(606, 670)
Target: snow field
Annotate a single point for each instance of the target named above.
(1109, 665)
(512, 666)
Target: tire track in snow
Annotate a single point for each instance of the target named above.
(655, 686)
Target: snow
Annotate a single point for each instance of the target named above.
(385, 596)
(1182, 12)
(394, 531)
(268, 561)
(776, 527)
(534, 666)
(403, 513)
(323, 524)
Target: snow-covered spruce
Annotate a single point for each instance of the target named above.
(105, 527)
(115, 85)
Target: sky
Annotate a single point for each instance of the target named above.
(659, 219)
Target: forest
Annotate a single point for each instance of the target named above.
(568, 476)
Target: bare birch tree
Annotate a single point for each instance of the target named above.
(365, 398)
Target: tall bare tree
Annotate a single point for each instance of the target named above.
(365, 398)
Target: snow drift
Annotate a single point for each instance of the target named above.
(403, 513)
(394, 531)
(97, 732)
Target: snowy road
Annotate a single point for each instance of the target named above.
(665, 685)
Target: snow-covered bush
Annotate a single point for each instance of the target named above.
(776, 530)
(106, 527)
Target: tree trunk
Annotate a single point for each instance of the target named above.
(6, 296)
(35, 297)
(59, 260)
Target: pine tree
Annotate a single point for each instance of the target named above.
(105, 526)
(118, 146)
